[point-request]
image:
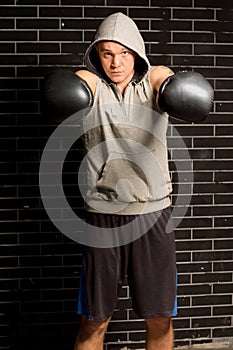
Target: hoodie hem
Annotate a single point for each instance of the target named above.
(136, 208)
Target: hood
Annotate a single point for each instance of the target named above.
(123, 30)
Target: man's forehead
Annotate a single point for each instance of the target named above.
(110, 45)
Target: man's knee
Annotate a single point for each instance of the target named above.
(91, 334)
(159, 324)
(91, 329)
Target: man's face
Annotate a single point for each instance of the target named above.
(117, 62)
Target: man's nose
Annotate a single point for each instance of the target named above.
(115, 61)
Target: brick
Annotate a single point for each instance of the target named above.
(220, 118)
(60, 11)
(201, 199)
(214, 233)
(208, 164)
(223, 332)
(60, 60)
(193, 37)
(193, 14)
(223, 61)
(151, 37)
(213, 211)
(37, 48)
(18, 83)
(213, 48)
(18, 107)
(225, 153)
(37, 23)
(203, 176)
(150, 12)
(194, 267)
(101, 12)
(194, 245)
(212, 3)
(172, 3)
(223, 198)
(6, 23)
(192, 130)
(211, 278)
(18, 60)
(223, 288)
(38, 2)
(157, 60)
(224, 107)
(224, 130)
(172, 48)
(128, 2)
(16, 35)
(74, 48)
(183, 257)
(83, 2)
(225, 15)
(169, 25)
(223, 310)
(210, 322)
(7, 2)
(194, 289)
(223, 266)
(213, 26)
(211, 256)
(216, 300)
(17, 11)
(7, 48)
(193, 61)
(80, 23)
(224, 37)
(215, 142)
(60, 35)
(202, 333)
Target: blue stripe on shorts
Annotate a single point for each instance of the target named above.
(175, 306)
(82, 298)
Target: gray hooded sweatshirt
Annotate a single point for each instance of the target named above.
(125, 135)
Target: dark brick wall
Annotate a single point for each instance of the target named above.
(39, 266)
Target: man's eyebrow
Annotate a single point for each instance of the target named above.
(100, 48)
(104, 49)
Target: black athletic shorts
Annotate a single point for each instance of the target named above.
(149, 263)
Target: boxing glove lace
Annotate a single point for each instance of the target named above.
(187, 96)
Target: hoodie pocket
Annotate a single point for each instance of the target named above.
(130, 177)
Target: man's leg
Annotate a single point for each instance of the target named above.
(159, 334)
(91, 335)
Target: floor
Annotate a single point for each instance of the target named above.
(212, 346)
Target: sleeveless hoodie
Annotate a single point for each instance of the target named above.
(125, 135)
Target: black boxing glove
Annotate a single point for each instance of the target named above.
(187, 96)
(64, 93)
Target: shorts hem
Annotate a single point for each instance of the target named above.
(168, 314)
(95, 318)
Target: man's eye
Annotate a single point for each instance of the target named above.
(107, 54)
(125, 53)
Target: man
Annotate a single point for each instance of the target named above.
(118, 73)
(118, 63)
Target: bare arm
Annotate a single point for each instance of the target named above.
(157, 77)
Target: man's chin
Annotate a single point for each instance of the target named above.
(117, 77)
